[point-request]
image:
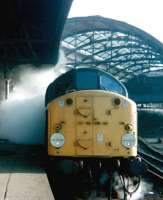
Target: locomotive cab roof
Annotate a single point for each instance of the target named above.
(83, 79)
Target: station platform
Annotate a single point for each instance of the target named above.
(22, 173)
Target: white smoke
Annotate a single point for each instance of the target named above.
(22, 116)
(32, 83)
(144, 188)
(22, 121)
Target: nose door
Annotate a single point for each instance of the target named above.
(102, 123)
(84, 113)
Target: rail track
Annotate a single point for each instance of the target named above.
(152, 157)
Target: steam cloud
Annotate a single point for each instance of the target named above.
(22, 116)
(143, 189)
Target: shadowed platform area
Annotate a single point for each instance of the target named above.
(22, 173)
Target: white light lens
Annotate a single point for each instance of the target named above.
(129, 140)
(57, 140)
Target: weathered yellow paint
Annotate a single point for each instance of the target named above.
(92, 125)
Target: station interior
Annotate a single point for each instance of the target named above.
(38, 43)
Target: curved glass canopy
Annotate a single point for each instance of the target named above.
(119, 48)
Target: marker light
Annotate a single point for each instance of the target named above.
(57, 140)
(129, 140)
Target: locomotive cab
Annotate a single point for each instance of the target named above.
(83, 79)
(90, 115)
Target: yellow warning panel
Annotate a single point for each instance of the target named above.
(92, 123)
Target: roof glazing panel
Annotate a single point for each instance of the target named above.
(117, 47)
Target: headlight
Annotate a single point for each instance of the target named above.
(129, 140)
(57, 140)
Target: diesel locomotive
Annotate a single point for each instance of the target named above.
(91, 127)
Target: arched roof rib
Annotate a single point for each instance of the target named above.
(146, 54)
(97, 23)
(101, 42)
(137, 71)
(112, 45)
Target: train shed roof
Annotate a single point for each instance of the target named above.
(117, 47)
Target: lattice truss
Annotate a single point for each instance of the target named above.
(123, 52)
